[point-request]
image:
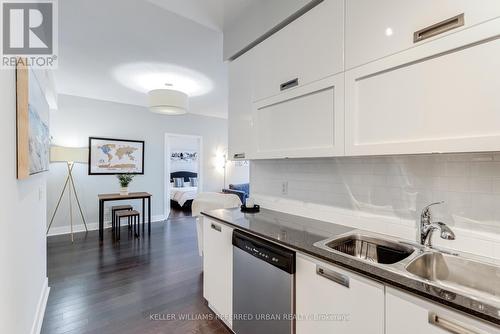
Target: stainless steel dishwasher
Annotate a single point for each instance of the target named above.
(263, 286)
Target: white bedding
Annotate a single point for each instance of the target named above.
(211, 201)
(184, 194)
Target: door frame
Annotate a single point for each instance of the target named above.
(167, 153)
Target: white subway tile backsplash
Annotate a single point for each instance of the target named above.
(461, 169)
(483, 157)
(395, 186)
(481, 184)
(496, 185)
(485, 169)
(457, 184)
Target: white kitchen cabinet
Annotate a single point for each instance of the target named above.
(439, 97)
(376, 29)
(241, 76)
(218, 268)
(408, 314)
(333, 300)
(308, 49)
(304, 122)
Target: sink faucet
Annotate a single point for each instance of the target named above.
(427, 227)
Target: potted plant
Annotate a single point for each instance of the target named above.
(124, 180)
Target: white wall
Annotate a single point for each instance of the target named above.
(78, 118)
(255, 21)
(237, 172)
(23, 275)
(387, 194)
(180, 143)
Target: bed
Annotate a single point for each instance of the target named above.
(182, 197)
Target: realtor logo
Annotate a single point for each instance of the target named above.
(28, 32)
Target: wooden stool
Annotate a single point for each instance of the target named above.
(133, 218)
(114, 210)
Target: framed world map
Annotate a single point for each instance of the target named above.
(115, 156)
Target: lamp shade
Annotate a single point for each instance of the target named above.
(168, 102)
(69, 154)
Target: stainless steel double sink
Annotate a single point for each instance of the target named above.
(450, 271)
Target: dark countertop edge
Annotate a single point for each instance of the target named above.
(468, 312)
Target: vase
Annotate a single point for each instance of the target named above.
(124, 191)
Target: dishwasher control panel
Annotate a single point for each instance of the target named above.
(273, 254)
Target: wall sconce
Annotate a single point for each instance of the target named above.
(220, 163)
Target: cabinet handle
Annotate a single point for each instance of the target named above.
(333, 276)
(289, 84)
(449, 325)
(215, 227)
(439, 28)
(239, 156)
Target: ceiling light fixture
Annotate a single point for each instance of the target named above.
(145, 76)
(168, 102)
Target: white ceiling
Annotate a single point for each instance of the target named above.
(210, 13)
(103, 46)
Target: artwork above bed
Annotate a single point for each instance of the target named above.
(182, 160)
(187, 156)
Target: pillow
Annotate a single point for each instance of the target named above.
(179, 182)
(194, 181)
(245, 187)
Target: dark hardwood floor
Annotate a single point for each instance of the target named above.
(123, 287)
(178, 213)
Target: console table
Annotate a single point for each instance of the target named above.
(117, 197)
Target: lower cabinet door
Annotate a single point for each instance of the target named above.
(408, 314)
(218, 268)
(332, 300)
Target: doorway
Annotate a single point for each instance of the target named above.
(183, 172)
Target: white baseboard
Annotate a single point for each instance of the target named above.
(40, 310)
(66, 229)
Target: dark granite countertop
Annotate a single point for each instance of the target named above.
(300, 234)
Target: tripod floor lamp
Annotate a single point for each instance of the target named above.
(69, 155)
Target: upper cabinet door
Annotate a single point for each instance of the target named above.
(241, 76)
(440, 97)
(308, 49)
(376, 29)
(304, 122)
